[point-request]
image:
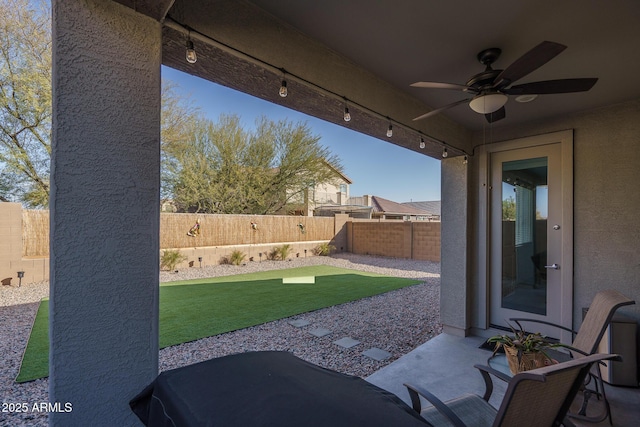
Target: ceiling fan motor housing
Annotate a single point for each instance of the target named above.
(482, 80)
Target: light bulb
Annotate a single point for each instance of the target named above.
(191, 53)
(283, 89)
(347, 116)
(445, 153)
(421, 142)
(465, 160)
(390, 131)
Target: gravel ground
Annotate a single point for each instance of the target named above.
(396, 322)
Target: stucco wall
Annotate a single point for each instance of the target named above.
(105, 192)
(454, 293)
(606, 198)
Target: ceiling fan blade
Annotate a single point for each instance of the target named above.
(529, 62)
(496, 115)
(552, 86)
(441, 109)
(438, 85)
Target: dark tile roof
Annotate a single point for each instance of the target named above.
(387, 206)
(431, 207)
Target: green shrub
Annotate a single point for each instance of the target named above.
(280, 253)
(235, 258)
(284, 251)
(324, 249)
(170, 259)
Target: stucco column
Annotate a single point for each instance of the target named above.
(455, 238)
(104, 210)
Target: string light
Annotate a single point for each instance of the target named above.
(191, 57)
(465, 160)
(191, 52)
(347, 115)
(283, 89)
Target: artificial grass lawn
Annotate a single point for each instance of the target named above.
(195, 309)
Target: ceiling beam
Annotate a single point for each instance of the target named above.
(242, 47)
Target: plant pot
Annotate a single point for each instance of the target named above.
(527, 362)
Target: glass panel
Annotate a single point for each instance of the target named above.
(524, 235)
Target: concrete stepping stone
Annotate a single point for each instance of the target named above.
(299, 323)
(377, 354)
(346, 342)
(320, 332)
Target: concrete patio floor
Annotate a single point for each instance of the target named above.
(444, 366)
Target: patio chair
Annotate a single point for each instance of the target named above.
(586, 341)
(540, 397)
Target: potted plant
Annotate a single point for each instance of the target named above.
(524, 350)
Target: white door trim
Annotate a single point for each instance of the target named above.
(565, 138)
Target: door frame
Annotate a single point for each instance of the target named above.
(565, 139)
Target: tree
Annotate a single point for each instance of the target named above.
(226, 169)
(509, 209)
(205, 167)
(179, 118)
(25, 102)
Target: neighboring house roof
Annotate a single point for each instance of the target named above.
(381, 205)
(431, 207)
(340, 174)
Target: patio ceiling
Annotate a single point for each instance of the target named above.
(401, 43)
(408, 41)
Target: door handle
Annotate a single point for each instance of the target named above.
(553, 266)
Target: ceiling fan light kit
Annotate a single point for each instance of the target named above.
(492, 87)
(488, 103)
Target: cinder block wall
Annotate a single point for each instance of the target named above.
(426, 241)
(399, 239)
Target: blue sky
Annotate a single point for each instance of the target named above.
(376, 167)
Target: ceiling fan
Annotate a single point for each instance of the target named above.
(490, 88)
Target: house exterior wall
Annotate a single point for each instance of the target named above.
(324, 194)
(329, 193)
(606, 200)
(105, 192)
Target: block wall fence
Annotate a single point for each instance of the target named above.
(399, 239)
(24, 238)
